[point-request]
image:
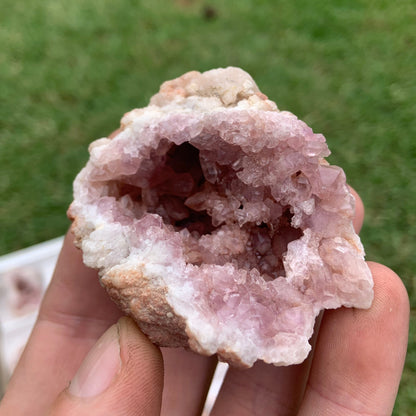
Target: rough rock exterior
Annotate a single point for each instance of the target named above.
(216, 223)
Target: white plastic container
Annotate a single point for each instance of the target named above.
(24, 276)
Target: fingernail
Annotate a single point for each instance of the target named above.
(99, 367)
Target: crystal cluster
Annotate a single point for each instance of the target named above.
(216, 223)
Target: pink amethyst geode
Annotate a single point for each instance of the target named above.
(216, 223)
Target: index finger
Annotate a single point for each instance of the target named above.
(360, 353)
(359, 211)
(74, 313)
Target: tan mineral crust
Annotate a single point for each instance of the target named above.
(217, 224)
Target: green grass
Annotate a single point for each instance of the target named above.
(69, 70)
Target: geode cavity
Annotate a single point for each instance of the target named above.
(216, 223)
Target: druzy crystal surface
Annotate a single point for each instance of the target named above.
(217, 224)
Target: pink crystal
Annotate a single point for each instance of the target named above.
(216, 222)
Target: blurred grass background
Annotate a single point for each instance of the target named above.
(69, 70)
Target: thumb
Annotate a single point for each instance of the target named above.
(121, 375)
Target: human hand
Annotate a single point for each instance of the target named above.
(354, 368)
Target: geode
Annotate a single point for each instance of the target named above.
(216, 223)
